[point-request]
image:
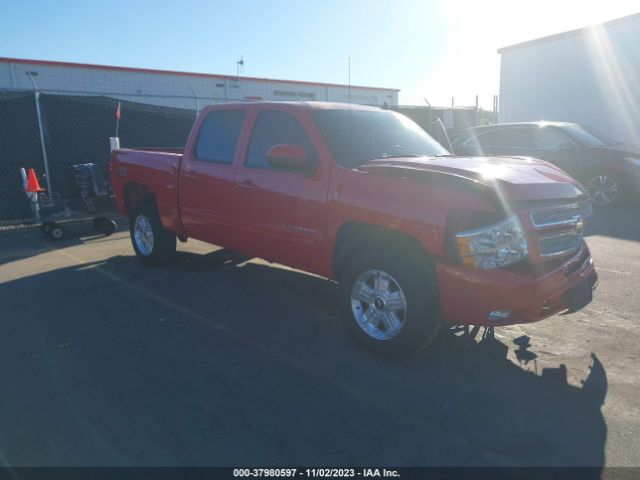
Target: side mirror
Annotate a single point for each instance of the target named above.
(290, 157)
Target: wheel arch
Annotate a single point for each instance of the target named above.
(136, 193)
(354, 237)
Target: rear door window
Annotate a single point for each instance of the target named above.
(219, 135)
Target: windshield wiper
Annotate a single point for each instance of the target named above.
(445, 155)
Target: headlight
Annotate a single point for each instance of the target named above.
(633, 161)
(494, 246)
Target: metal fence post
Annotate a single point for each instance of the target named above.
(477, 112)
(197, 99)
(36, 94)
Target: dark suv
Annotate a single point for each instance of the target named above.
(609, 170)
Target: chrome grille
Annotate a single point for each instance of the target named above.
(560, 244)
(563, 215)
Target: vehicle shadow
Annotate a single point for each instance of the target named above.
(216, 361)
(203, 262)
(13, 246)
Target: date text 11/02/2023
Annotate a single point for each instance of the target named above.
(316, 472)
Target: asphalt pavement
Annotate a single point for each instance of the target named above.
(218, 359)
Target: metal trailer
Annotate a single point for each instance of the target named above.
(88, 199)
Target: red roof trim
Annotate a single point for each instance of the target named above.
(183, 74)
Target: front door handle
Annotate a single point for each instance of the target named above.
(188, 173)
(248, 183)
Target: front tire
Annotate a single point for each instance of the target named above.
(604, 189)
(151, 242)
(390, 302)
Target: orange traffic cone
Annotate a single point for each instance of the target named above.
(32, 182)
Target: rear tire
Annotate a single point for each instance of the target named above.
(390, 302)
(151, 242)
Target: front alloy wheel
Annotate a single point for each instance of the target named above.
(603, 190)
(378, 304)
(389, 300)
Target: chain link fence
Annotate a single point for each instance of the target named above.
(76, 129)
(19, 147)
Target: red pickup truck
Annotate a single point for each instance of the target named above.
(416, 237)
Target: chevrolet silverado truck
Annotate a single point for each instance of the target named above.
(415, 237)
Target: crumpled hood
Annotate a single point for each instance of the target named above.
(519, 178)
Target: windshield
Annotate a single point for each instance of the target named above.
(588, 136)
(601, 136)
(357, 136)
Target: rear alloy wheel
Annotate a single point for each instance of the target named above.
(152, 243)
(390, 302)
(603, 190)
(143, 235)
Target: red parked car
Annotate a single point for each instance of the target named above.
(417, 238)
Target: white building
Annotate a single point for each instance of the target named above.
(179, 89)
(590, 76)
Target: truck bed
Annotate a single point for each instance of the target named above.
(154, 168)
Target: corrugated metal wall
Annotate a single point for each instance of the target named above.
(591, 77)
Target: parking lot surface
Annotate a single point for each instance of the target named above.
(219, 359)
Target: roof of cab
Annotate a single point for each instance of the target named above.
(541, 123)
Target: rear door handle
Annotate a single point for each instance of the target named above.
(248, 183)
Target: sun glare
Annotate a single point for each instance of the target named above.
(613, 77)
(478, 29)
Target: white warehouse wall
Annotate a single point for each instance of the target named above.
(150, 86)
(589, 76)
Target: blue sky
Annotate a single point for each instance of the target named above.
(432, 49)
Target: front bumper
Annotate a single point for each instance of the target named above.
(469, 295)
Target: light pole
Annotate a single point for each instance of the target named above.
(45, 160)
(239, 63)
